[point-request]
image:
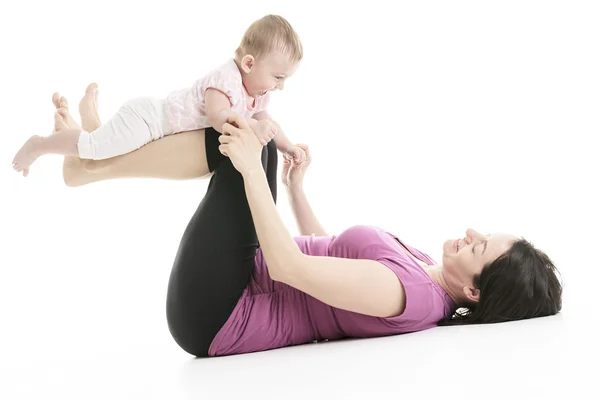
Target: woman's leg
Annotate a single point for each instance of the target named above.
(177, 157)
(215, 259)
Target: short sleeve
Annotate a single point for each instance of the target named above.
(419, 293)
(225, 82)
(417, 287)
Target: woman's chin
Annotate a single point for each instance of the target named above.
(447, 247)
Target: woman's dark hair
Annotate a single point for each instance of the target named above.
(522, 283)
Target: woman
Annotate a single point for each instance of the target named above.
(227, 295)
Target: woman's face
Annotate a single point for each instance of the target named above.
(464, 258)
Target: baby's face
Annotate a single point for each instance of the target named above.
(269, 73)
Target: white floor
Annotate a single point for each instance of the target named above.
(542, 358)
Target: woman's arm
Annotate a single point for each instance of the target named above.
(362, 286)
(293, 178)
(307, 221)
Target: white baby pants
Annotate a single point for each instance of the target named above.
(138, 122)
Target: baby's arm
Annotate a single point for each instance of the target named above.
(218, 110)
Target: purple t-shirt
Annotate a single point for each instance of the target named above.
(271, 314)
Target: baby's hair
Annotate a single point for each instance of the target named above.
(268, 34)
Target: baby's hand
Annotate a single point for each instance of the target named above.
(297, 154)
(265, 130)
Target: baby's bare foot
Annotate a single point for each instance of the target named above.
(63, 140)
(60, 121)
(28, 153)
(62, 106)
(88, 108)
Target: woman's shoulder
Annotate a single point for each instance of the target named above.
(364, 237)
(377, 242)
(365, 233)
(361, 227)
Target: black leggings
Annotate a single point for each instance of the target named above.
(215, 259)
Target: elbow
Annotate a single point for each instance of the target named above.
(215, 122)
(216, 118)
(285, 270)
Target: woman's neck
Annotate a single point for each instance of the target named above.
(437, 275)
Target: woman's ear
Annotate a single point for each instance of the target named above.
(472, 293)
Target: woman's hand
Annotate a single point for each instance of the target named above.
(240, 144)
(292, 174)
(296, 153)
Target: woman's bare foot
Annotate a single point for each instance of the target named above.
(76, 171)
(88, 108)
(74, 168)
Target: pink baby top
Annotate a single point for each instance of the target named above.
(186, 108)
(271, 314)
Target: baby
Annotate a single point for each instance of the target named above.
(267, 55)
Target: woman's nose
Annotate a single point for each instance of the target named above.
(472, 236)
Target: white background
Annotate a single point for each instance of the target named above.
(424, 118)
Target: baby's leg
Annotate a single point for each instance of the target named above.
(62, 142)
(137, 123)
(176, 157)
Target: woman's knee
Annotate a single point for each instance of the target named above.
(76, 172)
(211, 144)
(196, 347)
(272, 150)
(193, 337)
